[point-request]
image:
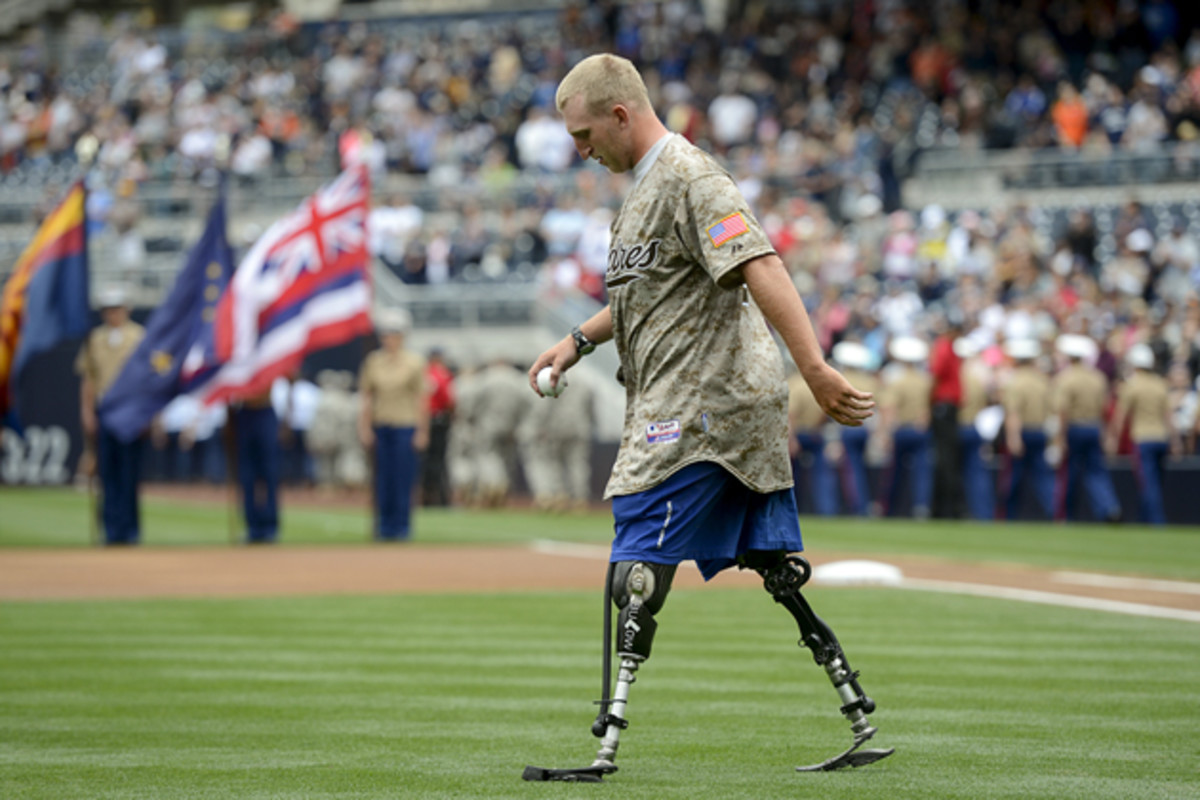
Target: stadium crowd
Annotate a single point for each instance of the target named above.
(818, 116)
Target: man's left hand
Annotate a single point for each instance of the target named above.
(841, 401)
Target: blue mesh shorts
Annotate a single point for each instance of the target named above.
(704, 514)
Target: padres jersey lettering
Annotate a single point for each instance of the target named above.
(703, 378)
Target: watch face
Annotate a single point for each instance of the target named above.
(582, 345)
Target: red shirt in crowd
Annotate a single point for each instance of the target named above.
(945, 366)
(441, 386)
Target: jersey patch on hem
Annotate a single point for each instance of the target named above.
(659, 432)
(728, 228)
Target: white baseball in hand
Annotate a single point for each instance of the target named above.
(544, 386)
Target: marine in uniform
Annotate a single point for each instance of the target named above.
(806, 424)
(259, 464)
(857, 363)
(461, 447)
(502, 404)
(702, 472)
(978, 492)
(118, 463)
(1080, 395)
(1026, 400)
(1142, 402)
(394, 421)
(905, 413)
(556, 445)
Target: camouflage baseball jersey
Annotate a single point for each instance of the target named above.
(703, 377)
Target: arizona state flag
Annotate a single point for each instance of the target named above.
(46, 298)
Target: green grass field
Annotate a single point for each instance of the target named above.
(450, 696)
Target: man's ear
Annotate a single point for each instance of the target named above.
(621, 112)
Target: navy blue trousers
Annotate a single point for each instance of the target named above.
(1085, 466)
(854, 471)
(395, 471)
(1032, 463)
(258, 462)
(119, 465)
(814, 472)
(910, 463)
(1151, 458)
(976, 480)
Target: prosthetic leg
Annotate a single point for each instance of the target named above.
(639, 590)
(783, 575)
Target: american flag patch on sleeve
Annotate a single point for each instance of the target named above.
(731, 227)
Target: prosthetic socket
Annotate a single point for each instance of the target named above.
(639, 591)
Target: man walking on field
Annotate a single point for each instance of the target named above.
(703, 472)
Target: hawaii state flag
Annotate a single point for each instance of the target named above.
(303, 286)
(45, 300)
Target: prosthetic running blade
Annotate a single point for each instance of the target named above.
(853, 757)
(592, 774)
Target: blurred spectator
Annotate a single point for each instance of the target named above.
(1070, 115)
(392, 227)
(435, 478)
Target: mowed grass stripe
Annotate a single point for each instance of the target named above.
(419, 696)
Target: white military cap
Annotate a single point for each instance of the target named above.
(393, 320)
(908, 348)
(1022, 349)
(965, 347)
(112, 297)
(853, 355)
(1074, 345)
(1140, 356)
(1140, 240)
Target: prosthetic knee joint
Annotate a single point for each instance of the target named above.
(639, 590)
(783, 575)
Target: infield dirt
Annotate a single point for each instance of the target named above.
(61, 574)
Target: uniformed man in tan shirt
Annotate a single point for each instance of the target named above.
(859, 365)
(394, 421)
(1080, 395)
(503, 403)
(905, 414)
(1026, 399)
(118, 463)
(1142, 402)
(556, 444)
(806, 428)
(978, 491)
(702, 472)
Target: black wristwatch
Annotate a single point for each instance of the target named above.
(583, 345)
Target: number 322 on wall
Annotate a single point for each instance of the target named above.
(39, 458)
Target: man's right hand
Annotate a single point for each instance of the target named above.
(559, 358)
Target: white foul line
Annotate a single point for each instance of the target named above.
(1051, 598)
(1123, 582)
(571, 549)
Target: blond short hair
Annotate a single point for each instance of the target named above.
(604, 80)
